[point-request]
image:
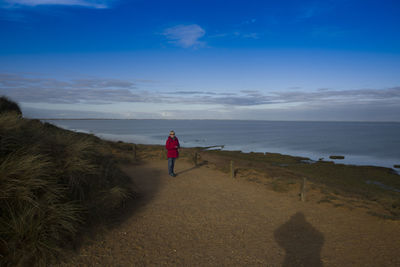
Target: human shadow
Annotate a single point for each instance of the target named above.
(192, 168)
(301, 241)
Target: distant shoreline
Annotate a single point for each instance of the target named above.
(88, 119)
(193, 138)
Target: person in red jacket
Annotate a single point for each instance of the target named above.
(172, 146)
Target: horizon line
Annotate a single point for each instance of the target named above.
(213, 120)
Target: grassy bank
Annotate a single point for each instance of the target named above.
(54, 184)
(354, 186)
(281, 172)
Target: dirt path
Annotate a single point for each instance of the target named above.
(204, 218)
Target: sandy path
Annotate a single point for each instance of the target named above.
(204, 218)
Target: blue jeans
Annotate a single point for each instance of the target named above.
(171, 164)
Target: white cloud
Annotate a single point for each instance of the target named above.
(102, 90)
(84, 3)
(119, 97)
(185, 35)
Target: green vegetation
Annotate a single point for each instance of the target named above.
(53, 184)
(361, 182)
(7, 105)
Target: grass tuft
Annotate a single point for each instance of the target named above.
(7, 105)
(52, 183)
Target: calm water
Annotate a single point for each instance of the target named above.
(364, 143)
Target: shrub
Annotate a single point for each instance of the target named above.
(52, 181)
(7, 105)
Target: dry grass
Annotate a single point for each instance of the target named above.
(53, 181)
(284, 173)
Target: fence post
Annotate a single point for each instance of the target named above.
(303, 190)
(134, 152)
(232, 170)
(195, 159)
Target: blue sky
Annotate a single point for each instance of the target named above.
(268, 60)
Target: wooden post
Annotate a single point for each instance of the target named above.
(232, 170)
(134, 152)
(195, 159)
(303, 190)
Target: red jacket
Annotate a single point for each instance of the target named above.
(172, 146)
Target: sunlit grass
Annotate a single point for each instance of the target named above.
(345, 180)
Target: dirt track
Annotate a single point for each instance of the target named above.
(204, 218)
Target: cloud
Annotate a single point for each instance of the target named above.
(387, 95)
(100, 90)
(328, 32)
(250, 91)
(238, 34)
(98, 4)
(46, 90)
(185, 35)
(320, 104)
(316, 9)
(200, 93)
(249, 98)
(192, 93)
(102, 83)
(336, 112)
(18, 81)
(243, 30)
(31, 112)
(249, 21)
(308, 12)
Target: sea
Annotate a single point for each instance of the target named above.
(361, 143)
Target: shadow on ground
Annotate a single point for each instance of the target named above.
(146, 183)
(301, 241)
(192, 168)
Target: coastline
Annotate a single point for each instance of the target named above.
(94, 186)
(303, 144)
(354, 160)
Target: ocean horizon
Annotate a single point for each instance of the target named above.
(360, 142)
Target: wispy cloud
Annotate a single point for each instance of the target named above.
(84, 3)
(103, 91)
(185, 35)
(46, 90)
(249, 21)
(328, 32)
(238, 35)
(193, 93)
(314, 9)
(320, 104)
(308, 12)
